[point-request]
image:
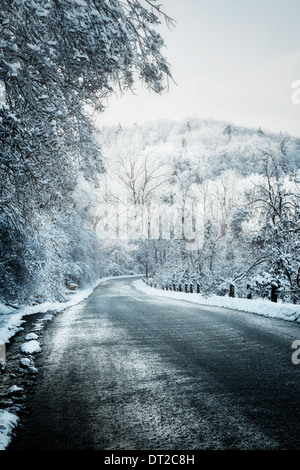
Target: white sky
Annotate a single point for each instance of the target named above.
(233, 60)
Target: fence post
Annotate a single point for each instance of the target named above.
(274, 295)
(231, 290)
(198, 288)
(191, 288)
(294, 296)
(186, 288)
(249, 293)
(180, 288)
(174, 288)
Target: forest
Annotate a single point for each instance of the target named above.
(224, 201)
(209, 203)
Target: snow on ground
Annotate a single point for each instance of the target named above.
(31, 336)
(264, 307)
(25, 362)
(14, 390)
(30, 347)
(8, 421)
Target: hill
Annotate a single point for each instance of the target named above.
(213, 146)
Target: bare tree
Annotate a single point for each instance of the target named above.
(141, 177)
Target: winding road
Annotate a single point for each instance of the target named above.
(126, 370)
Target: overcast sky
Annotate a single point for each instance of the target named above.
(233, 60)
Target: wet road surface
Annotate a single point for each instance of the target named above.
(127, 371)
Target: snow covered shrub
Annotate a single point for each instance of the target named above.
(223, 288)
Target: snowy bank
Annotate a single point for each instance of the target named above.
(264, 307)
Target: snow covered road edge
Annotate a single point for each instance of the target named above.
(265, 307)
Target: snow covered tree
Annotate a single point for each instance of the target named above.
(141, 176)
(59, 62)
(276, 200)
(58, 58)
(228, 131)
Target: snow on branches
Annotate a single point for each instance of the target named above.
(59, 59)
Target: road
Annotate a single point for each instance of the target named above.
(127, 371)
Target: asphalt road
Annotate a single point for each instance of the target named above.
(127, 371)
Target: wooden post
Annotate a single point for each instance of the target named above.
(274, 295)
(191, 288)
(231, 290)
(198, 288)
(249, 293)
(174, 287)
(186, 288)
(180, 288)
